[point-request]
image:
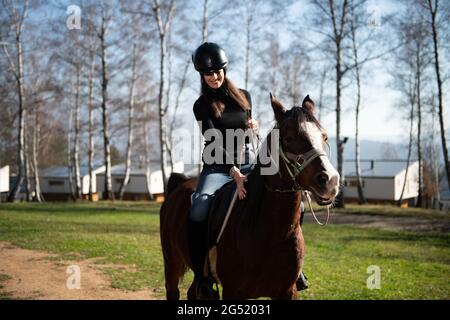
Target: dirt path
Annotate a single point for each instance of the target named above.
(383, 222)
(33, 276)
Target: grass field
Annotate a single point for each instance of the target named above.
(413, 266)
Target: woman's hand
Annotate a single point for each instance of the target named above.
(240, 179)
(253, 124)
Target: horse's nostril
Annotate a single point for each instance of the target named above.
(322, 179)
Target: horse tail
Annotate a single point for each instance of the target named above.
(175, 180)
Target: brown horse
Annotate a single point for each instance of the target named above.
(261, 251)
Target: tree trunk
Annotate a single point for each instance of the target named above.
(437, 195)
(36, 138)
(163, 28)
(147, 158)
(91, 126)
(362, 199)
(109, 195)
(433, 13)
(21, 114)
(27, 179)
(161, 118)
(205, 21)
(130, 124)
(168, 139)
(340, 143)
(69, 153)
(419, 126)
(76, 147)
(338, 32)
(411, 126)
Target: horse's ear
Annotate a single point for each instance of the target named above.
(309, 104)
(278, 109)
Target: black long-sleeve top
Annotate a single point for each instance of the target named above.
(233, 117)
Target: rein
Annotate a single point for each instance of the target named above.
(295, 164)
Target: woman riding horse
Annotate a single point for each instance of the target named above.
(220, 107)
(261, 249)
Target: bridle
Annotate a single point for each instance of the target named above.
(295, 164)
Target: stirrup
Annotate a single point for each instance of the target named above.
(302, 282)
(205, 289)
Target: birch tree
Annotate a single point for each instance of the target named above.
(77, 128)
(130, 122)
(163, 24)
(438, 10)
(102, 34)
(17, 16)
(93, 48)
(413, 59)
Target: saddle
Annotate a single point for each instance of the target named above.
(218, 210)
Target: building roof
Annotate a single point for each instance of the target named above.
(376, 168)
(63, 171)
(119, 169)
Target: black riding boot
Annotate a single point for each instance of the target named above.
(197, 242)
(302, 281)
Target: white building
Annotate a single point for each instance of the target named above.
(383, 181)
(4, 182)
(137, 186)
(55, 182)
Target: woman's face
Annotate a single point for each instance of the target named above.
(214, 79)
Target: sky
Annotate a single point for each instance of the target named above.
(378, 120)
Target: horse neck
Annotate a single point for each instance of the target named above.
(283, 208)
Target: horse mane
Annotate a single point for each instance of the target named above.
(301, 115)
(174, 181)
(250, 208)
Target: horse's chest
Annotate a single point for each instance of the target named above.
(277, 262)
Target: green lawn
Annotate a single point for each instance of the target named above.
(413, 266)
(393, 211)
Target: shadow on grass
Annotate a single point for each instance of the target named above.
(87, 228)
(81, 208)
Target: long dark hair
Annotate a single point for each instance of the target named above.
(216, 104)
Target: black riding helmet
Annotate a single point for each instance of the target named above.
(209, 57)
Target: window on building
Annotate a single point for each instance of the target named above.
(56, 182)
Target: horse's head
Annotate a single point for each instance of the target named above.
(303, 159)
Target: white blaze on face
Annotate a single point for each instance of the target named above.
(316, 138)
